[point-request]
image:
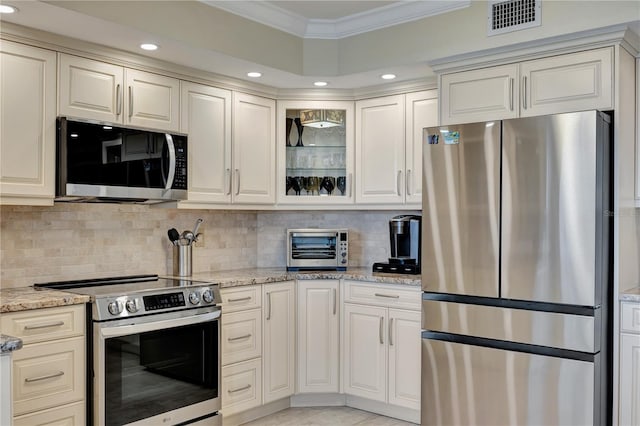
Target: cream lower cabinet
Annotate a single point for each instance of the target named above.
(28, 130)
(318, 336)
(279, 341)
(49, 371)
(106, 92)
(564, 83)
(381, 338)
(629, 392)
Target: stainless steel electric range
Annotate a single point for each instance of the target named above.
(153, 348)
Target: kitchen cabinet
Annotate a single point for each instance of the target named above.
(318, 336)
(564, 83)
(28, 131)
(629, 391)
(49, 371)
(389, 147)
(279, 341)
(254, 150)
(100, 91)
(381, 334)
(206, 117)
(315, 153)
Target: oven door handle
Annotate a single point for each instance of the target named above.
(124, 330)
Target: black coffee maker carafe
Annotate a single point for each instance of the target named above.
(405, 246)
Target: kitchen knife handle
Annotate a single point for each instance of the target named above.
(47, 325)
(524, 92)
(118, 100)
(381, 330)
(268, 306)
(334, 301)
(391, 332)
(409, 182)
(511, 94)
(398, 182)
(237, 181)
(228, 177)
(130, 101)
(45, 377)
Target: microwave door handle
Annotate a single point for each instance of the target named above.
(172, 161)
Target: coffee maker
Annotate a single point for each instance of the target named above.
(405, 245)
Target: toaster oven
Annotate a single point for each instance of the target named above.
(317, 249)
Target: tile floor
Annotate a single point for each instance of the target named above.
(326, 416)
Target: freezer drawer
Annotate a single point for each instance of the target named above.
(464, 384)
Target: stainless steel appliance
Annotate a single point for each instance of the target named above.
(316, 249)
(153, 350)
(103, 162)
(516, 273)
(404, 237)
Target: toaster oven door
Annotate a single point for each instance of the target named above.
(312, 250)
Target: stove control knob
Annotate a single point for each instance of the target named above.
(207, 296)
(114, 307)
(194, 298)
(131, 306)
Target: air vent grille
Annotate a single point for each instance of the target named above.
(513, 15)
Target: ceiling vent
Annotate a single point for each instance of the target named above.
(513, 15)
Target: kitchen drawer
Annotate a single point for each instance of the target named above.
(66, 415)
(395, 296)
(630, 317)
(241, 386)
(40, 325)
(48, 374)
(241, 298)
(241, 336)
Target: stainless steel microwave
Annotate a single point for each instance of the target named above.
(104, 162)
(317, 249)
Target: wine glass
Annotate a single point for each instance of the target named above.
(328, 184)
(341, 184)
(313, 184)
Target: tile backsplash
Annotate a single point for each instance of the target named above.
(74, 241)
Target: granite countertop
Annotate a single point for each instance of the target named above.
(9, 343)
(26, 298)
(630, 295)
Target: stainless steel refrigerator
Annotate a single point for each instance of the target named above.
(516, 274)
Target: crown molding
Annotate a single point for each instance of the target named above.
(394, 14)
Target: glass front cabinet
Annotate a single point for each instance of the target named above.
(315, 152)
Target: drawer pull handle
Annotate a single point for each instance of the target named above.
(239, 389)
(47, 325)
(242, 299)
(233, 339)
(45, 377)
(390, 296)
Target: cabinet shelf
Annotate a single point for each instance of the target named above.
(294, 147)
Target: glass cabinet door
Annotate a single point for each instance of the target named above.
(317, 155)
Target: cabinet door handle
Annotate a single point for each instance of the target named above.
(45, 377)
(118, 100)
(233, 339)
(409, 182)
(46, 325)
(239, 389)
(511, 94)
(524, 92)
(268, 306)
(237, 181)
(391, 332)
(398, 182)
(381, 330)
(391, 296)
(130, 101)
(334, 301)
(350, 183)
(228, 177)
(241, 299)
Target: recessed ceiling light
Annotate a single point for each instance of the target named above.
(148, 46)
(388, 76)
(320, 83)
(5, 8)
(254, 74)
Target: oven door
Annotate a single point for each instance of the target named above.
(157, 369)
(313, 250)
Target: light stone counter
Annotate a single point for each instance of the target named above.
(26, 298)
(631, 295)
(243, 277)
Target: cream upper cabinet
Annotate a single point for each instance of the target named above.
(564, 83)
(421, 111)
(279, 341)
(315, 153)
(318, 336)
(206, 118)
(380, 150)
(629, 392)
(253, 172)
(100, 91)
(28, 130)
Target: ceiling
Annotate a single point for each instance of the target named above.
(326, 19)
